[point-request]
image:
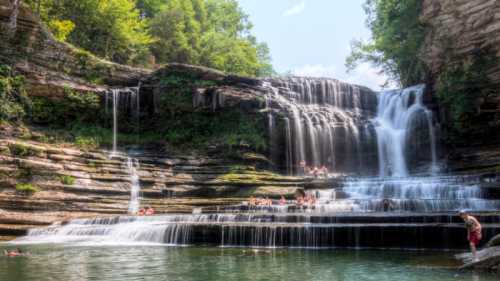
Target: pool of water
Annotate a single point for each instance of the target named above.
(124, 263)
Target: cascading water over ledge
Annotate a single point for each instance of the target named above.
(326, 123)
(264, 230)
(404, 129)
(350, 129)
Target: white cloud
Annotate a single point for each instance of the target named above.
(295, 9)
(364, 74)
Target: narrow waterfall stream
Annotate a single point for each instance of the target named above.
(133, 166)
(130, 99)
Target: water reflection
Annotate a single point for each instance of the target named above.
(59, 263)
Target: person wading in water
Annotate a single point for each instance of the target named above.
(473, 232)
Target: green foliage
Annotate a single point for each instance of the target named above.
(229, 128)
(73, 107)
(61, 28)
(20, 150)
(112, 29)
(26, 188)
(67, 180)
(397, 36)
(461, 86)
(13, 98)
(213, 33)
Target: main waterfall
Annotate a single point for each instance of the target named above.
(326, 123)
(350, 129)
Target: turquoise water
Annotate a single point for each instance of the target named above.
(63, 263)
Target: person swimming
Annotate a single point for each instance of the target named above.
(16, 253)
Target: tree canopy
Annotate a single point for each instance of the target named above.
(212, 33)
(397, 38)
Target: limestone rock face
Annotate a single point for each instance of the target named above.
(102, 184)
(50, 65)
(460, 27)
(456, 30)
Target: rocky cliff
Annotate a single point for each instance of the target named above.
(101, 184)
(460, 27)
(456, 31)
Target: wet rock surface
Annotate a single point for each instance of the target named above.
(170, 184)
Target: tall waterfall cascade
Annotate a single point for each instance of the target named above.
(126, 99)
(399, 115)
(326, 123)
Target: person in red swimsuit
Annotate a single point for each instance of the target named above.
(474, 234)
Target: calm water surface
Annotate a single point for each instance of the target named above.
(124, 263)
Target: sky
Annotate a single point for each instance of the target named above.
(313, 37)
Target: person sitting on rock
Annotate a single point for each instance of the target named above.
(149, 211)
(324, 171)
(474, 234)
(251, 201)
(315, 172)
(307, 170)
(141, 212)
(387, 205)
(282, 201)
(303, 166)
(269, 202)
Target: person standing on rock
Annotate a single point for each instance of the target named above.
(474, 234)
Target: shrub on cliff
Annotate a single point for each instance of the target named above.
(72, 107)
(461, 87)
(67, 180)
(26, 188)
(14, 101)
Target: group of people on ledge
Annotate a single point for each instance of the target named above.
(302, 199)
(148, 211)
(316, 172)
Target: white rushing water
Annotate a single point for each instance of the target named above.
(133, 166)
(123, 100)
(398, 114)
(116, 99)
(326, 122)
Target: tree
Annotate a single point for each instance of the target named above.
(149, 8)
(397, 38)
(111, 29)
(177, 33)
(213, 33)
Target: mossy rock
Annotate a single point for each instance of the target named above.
(26, 188)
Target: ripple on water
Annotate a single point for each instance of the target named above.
(63, 263)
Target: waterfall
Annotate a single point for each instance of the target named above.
(323, 119)
(122, 100)
(133, 166)
(116, 99)
(397, 116)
